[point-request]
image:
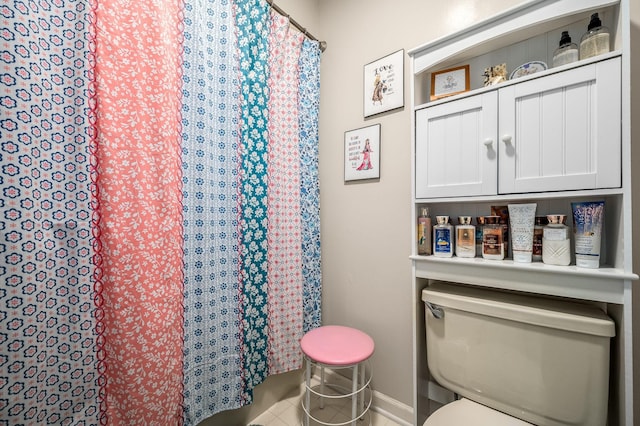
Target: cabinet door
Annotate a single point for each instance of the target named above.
(456, 148)
(562, 131)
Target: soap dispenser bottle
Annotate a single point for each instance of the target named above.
(567, 52)
(596, 40)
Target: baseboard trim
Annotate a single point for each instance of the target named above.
(381, 403)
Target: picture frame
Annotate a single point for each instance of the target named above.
(362, 153)
(449, 82)
(384, 84)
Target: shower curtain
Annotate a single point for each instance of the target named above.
(159, 236)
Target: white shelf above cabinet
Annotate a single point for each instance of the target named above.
(539, 74)
(516, 24)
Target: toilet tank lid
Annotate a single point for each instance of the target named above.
(536, 310)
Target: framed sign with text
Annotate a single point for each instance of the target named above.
(384, 84)
(362, 153)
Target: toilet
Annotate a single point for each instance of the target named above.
(516, 360)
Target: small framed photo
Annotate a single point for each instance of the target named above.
(362, 153)
(384, 84)
(449, 82)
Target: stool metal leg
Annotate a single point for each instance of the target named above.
(354, 396)
(361, 395)
(307, 392)
(322, 387)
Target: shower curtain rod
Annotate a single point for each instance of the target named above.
(323, 44)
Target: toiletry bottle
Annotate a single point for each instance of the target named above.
(556, 245)
(424, 233)
(443, 237)
(588, 223)
(567, 52)
(465, 237)
(538, 229)
(503, 219)
(522, 220)
(492, 238)
(480, 224)
(596, 40)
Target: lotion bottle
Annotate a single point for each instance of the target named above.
(443, 237)
(465, 237)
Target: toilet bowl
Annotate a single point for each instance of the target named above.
(516, 359)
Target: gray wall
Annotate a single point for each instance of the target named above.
(366, 227)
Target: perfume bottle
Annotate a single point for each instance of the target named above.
(538, 230)
(480, 224)
(566, 52)
(596, 40)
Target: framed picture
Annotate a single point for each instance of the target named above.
(362, 153)
(449, 82)
(384, 84)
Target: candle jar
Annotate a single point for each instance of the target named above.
(492, 238)
(556, 245)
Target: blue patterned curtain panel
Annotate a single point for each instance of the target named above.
(308, 106)
(47, 340)
(212, 364)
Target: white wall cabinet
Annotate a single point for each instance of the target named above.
(554, 137)
(561, 132)
(558, 132)
(455, 148)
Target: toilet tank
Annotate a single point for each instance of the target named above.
(542, 360)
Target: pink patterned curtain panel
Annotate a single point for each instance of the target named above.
(285, 243)
(158, 161)
(139, 211)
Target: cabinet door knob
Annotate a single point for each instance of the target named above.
(488, 143)
(506, 139)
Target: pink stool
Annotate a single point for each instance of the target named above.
(338, 347)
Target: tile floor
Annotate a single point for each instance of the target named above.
(288, 412)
